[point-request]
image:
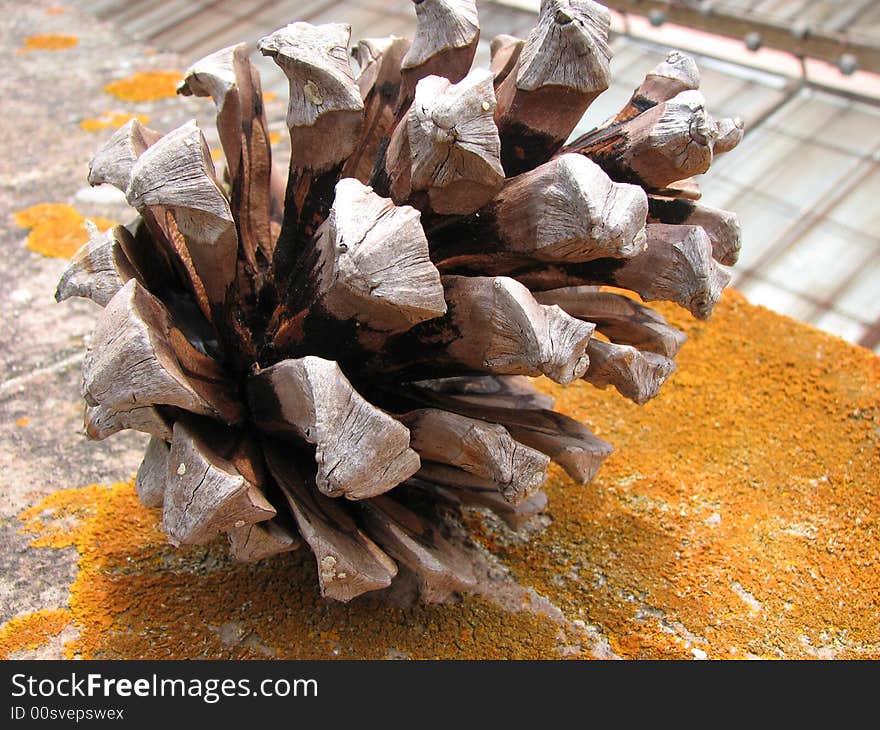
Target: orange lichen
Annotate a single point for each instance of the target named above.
(269, 96)
(57, 230)
(48, 42)
(32, 630)
(53, 517)
(136, 596)
(274, 137)
(22, 422)
(111, 119)
(45, 213)
(145, 86)
(56, 10)
(739, 516)
(92, 124)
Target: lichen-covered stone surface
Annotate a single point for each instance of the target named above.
(738, 516)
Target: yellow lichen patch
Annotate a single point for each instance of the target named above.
(269, 96)
(740, 512)
(46, 213)
(216, 155)
(53, 520)
(48, 42)
(274, 137)
(22, 422)
(111, 119)
(145, 86)
(136, 596)
(31, 631)
(92, 124)
(57, 230)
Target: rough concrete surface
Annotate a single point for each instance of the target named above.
(737, 518)
(44, 156)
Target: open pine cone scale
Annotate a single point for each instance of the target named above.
(321, 352)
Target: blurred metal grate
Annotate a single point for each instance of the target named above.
(822, 29)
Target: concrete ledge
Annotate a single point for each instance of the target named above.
(738, 516)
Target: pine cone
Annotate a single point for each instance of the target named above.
(326, 359)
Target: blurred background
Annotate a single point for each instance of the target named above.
(803, 74)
